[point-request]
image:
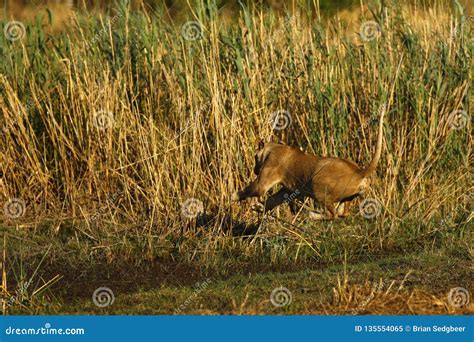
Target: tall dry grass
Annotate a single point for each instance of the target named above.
(120, 120)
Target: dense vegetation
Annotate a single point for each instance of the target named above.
(125, 134)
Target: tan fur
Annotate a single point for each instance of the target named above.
(330, 181)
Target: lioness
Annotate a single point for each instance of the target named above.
(330, 181)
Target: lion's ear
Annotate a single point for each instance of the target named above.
(261, 143)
